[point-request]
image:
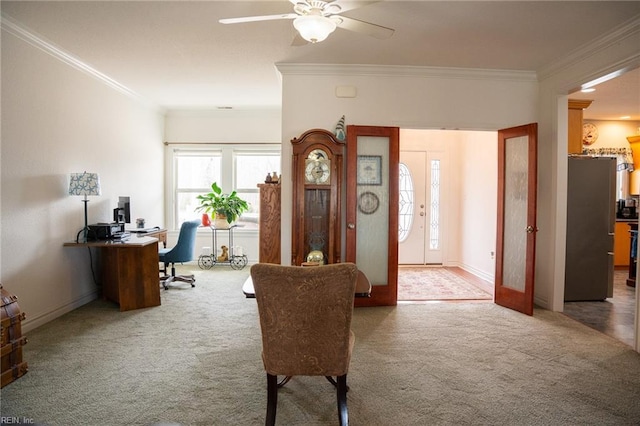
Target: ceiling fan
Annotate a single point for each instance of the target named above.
(315, 20)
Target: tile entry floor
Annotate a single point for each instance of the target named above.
(613, 316)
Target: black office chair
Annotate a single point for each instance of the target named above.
(181, 252)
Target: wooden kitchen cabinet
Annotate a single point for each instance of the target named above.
(575, 124)
(621, 244)
(634, 178)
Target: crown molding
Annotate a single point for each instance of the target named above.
(629, 29)
(405, 71)
(15, 28)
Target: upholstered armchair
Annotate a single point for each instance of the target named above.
(305, 319)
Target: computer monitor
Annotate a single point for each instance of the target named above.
(122, 213)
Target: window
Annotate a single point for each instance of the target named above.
(434, 204)
(234, 167)
(406, 203)
(407, 197)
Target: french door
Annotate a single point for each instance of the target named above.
(372, 209)
(516, 227)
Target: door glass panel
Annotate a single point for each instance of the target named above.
(515, 212)
(406, 203)
(372, 231)
(434, 224)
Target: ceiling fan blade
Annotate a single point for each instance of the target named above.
(373, 30)
(350, 5)
(258, 18)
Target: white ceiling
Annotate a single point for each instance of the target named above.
(176, 54)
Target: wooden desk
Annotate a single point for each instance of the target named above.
(363, 287)
(130, 271)
(160, 234)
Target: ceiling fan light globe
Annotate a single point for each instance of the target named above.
(314, 28)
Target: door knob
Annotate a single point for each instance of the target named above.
(351, 226)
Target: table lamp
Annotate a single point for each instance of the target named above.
(84, 184)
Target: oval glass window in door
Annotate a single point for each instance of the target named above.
(406, 199)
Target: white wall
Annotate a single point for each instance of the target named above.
(479, 203)
(57, 120)
(223, 126)
(418, 98)
(613, 133)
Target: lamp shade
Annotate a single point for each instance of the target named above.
(84, 184)
(314, 28)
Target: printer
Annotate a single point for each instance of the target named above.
(106, 231)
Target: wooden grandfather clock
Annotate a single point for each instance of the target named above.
(317, 186)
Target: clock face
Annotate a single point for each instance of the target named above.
(317, 172)
(318, 154)
(589, 133)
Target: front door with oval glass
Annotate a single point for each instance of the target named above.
(420, 230)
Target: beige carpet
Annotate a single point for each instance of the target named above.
(436, 283)
(195, 361)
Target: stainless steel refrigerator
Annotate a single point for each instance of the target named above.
(590, 228)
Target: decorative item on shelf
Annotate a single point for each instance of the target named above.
(206, 220)
(87, 184)
(268, 178)
(274, 178)
(140, 223)
(224, 208)
(341, 132)
(225, 254)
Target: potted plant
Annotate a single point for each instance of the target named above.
(224, 209)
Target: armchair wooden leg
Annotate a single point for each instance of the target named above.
(343, 413)
(333, 382)
(284, 381)
(272, 399)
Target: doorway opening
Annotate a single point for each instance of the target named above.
(447, 215)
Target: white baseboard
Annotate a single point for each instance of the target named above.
(33, 323)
